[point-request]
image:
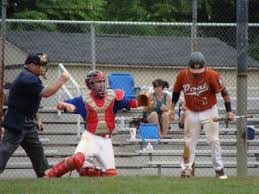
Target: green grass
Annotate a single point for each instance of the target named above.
(131, 185)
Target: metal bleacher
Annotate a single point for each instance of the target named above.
(60, 139)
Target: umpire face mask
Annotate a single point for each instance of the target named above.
(43, 71)
(43, 64)
(40, 60)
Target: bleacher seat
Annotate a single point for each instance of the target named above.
(124, 81)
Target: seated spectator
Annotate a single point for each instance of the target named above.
(160, 102)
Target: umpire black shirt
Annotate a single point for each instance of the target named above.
(23, 101)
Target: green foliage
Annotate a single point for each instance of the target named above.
(167, 10)
(145, 30)
(72, 9)
(118, 10)
(133, 10)
(253, 47)
(32, 27)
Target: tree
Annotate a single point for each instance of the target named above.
(58, 9)
(119, 10)
(72, 9)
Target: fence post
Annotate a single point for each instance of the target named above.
(194, 26)
(93, 47)
(241, 43)
(2, 60)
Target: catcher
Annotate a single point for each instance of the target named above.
(20, 124)
(97, 107)
(200, 85)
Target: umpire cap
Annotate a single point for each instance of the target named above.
(197, 62)
(37, 59)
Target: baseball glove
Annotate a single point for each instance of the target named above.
(143, 99)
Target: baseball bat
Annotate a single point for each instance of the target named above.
(186, 153)
(217, 119)
(71, 77)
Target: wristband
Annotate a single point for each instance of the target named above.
(228, 106)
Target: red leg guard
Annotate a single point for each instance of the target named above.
(110, 172)
(92, 171)
(70, 163)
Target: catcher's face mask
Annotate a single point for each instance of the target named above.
(96, 82)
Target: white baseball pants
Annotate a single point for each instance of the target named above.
(194, 122)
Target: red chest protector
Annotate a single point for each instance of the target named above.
(100, 118)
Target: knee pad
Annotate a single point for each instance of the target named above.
(66, 165)
(76, 161)
(110, 172)
(90, 171)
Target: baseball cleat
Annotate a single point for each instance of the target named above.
(220, 174)
(186, 173)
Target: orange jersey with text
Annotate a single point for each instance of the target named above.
(199, 92)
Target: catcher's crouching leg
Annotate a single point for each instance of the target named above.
(90, 171)
(66, 165)
(110, 172)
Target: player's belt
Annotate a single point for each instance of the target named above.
(104, 135)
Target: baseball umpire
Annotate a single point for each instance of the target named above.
(23, 103)
(200, 85)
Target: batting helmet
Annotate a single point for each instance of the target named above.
(92, 77)
(197, 62)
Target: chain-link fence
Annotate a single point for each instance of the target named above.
(147, 51)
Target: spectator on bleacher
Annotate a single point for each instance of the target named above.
(200, 85)
(20, 124)
(158, 110)
(97, 107)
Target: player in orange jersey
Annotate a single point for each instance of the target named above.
(200, 85)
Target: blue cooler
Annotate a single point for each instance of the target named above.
(250, 132)
(149, 131)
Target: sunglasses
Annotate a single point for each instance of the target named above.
(156, 86)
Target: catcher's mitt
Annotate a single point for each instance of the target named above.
(143, 100)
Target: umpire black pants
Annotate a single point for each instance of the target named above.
(29, 140)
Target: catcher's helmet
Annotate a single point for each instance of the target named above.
(92, 77)
(197, 62)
